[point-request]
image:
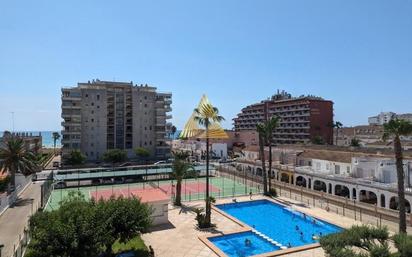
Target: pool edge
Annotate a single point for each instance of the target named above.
(247, 228)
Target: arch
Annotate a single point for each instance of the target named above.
(249, 169)
(301, 181)
(354, 193)
(319, 185)
(394, 204)
(341, 190)
(366, 196)
(383, 203)
(259, 171)
(284, 177)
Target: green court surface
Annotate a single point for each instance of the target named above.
(192, 189)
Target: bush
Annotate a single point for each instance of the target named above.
(115, 156)
(201, 219)
(358, 241)
(403, 243)
(87, 228)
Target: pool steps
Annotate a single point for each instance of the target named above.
(270, 240)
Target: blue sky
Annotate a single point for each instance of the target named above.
(356, 53)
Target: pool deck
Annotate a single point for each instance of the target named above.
(182, 238)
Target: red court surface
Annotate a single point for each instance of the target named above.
(152, 194)
(189, 188)
(148, 195)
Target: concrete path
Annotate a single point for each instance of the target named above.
(14, 219)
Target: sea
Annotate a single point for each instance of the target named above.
(47, 138)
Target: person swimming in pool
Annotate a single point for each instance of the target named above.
(248, 242)
(314, 222)
(315, 237)
(301, 235)
(289, 245)
(296, 227)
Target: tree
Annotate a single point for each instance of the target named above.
(115, 156)
(87, 228)
(262, 140)
(205, 116)
(355, 142)
(142, 153)
(318, 140)
(337, 125)
(396, 128)
(16, 158)
(76, 158)
(121, 219)
(358, 241)
(181, 169)
(269, 127)
(72, 230)
(55, 137)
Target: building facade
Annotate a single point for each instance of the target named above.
(385, 117)
(103, 115)
(303, 118)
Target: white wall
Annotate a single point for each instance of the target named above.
(330, 167)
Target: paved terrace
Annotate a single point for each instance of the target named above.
(181, 237)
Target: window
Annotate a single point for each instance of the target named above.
(86, 95)
(337, 169)
(92, 104)
(92, 120)
(98, 97)
(347, 169)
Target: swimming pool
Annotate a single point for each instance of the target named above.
(281, 224)
(233, 245)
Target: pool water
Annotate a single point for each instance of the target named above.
(234, 245)
(281, 224)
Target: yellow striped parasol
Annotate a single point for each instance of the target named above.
(192, 129)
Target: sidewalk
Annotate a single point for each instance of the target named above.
(14, 219)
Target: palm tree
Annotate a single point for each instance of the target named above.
(396, 128)
(181, 169)
(270, 126)
(14, 158)
(337, 125)
(206, 115)
(55, 137)
(261, 129)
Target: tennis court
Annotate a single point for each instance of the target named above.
(192, 189)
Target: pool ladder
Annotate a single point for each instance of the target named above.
(270, 240)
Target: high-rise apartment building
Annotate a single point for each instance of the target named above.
(303, 118)
(103, 115)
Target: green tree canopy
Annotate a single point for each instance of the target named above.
(115, 156)
(122, 219)
(87, 228)
(142, 153)
(76, 158)
(15, 158)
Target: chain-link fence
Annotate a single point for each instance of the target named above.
(221, 185)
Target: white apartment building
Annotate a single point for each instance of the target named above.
(385, 117)
(360, 177)
(102, 115)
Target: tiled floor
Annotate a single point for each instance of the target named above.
(180, 237)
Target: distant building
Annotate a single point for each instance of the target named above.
(385, 117)
(103, 115)
(303, 118)
(32, 141)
